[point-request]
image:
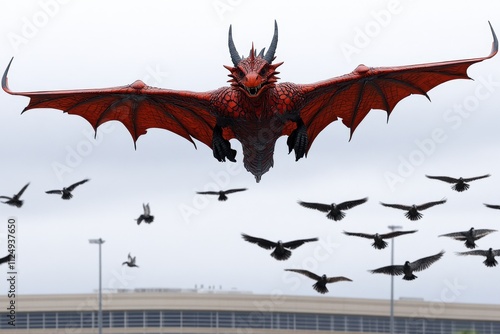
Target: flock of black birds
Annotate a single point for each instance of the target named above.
(17, 202)
(335, 211)
(65, 193)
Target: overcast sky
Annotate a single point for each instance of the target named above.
(195, 240)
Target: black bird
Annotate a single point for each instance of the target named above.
(321, 281)
(222, 193)
(460, 184)
(469, 236)
(413, 213)
(130, 262)
(379, 243)
(5, 259)
(490, 255)
(334, 210)
(146, 216)
(66, 192)
(280, 252)
(409, 267)
(14, 200)
(492, 206)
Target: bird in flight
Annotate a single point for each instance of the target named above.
(413, 210)
(335, 211)
(222, 193)
(378, 239)
(146, 216)
(280, 251)
(489, 254)
(66, 192)
(408, 268)
(15, 199)
(321, 281)
(460, 184)
(469, 236)
(130, 262)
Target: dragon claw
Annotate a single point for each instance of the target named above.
(297, 141)
(222, 147)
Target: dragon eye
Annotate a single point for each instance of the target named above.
(240, 73)
(263, 71)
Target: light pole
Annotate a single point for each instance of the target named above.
(391, 324)
(99, 315)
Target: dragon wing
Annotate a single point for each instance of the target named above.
(352, 96)
(137, 106)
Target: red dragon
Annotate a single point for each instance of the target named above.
(254, 109)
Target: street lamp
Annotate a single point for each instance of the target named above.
(99, 315)
(391, 324)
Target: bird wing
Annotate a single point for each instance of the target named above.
(337, 279)
(266, 244)
(229, 191)
(456, 235)
(425, 262)
(474, 252)
(147, 210)
(317, 206)
(443, 178)
(5, 259)
(22, 190)
(389, 270)
(59, 192)
(74, 185)
(482, 232)
(476, 178)
(306, 273)
(207, 192)
(362, 235)
(296, 243)
(397, 206)
(396, 233)
(6, 197)
(492, 206)
(350, 204)
(430, 204)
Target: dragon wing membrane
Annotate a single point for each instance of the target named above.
(137, 106)
(352, 96)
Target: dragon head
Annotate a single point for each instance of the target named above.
(255, 73)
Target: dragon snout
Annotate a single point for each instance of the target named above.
(252, 83)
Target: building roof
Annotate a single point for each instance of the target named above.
(174, 299)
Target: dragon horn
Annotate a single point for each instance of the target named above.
(232, 49)
(269, 56)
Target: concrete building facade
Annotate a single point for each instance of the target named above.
(191, 312)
